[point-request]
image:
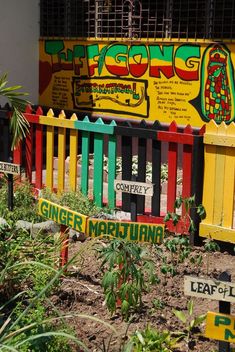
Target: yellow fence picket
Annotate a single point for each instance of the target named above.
(73, 142)
(219, 178)
(61, 154)
(209, 174)
(228, 199)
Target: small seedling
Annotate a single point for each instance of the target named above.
(210, 246)
(151, 340)
(190, 322)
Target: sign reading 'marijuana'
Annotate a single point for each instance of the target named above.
(130, 231)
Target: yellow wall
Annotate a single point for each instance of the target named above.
(189, 82)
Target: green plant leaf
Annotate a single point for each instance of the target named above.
(180, 315)
(190, 307)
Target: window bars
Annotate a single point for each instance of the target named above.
(189, 19)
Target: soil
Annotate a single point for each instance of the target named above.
(81, 293)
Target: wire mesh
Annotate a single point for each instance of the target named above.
(189, 19)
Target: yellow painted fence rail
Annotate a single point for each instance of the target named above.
(219, 178)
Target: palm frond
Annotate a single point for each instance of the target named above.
(19, 126)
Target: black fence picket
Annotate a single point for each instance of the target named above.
(4, 135)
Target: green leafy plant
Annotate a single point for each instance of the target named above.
(179, 249)
(158, 304)
(75, 201)
(151, 340)
(210, 246)
(18, 124)
(188, 204)
(25, 205)
(190, 322)
(197, 261)
(128, 273)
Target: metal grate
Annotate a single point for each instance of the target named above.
(190, 19)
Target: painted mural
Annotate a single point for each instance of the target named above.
(191, 83)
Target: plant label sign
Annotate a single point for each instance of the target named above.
(130, 231)
(220, 327)
(207, 288)
(62, 215)
(9, 168)
(139, 188)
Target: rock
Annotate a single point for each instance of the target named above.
(77, 236)
(3, 222)
(45, 226)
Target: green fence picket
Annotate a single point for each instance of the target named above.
(85, 162)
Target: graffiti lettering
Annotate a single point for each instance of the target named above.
(123, 60)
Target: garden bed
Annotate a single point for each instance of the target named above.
(81, 292)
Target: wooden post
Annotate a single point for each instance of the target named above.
(133, 203)
(10, 189)
(64, 236)
(224, 307)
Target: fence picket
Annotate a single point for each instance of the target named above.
(156, 173)
(49, 152)
(39, 152)
(73, 149)
(112, 155)
(229, 188)
(29, 153)
(209, 175)
(187, 167)
(98, 166)
(172, 170)
(61, 154)
(142, 160)
(85, 162)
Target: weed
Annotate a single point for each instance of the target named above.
(151, 340)
(74, 200)
(25, 206)
(190, 322)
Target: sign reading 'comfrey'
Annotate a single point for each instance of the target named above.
(140, 188)
(130, 231)
(207, 288)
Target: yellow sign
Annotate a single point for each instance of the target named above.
(220, 327)
(62, 215)
(189, 82)
(130, 231)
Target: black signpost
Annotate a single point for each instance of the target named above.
(224, 307)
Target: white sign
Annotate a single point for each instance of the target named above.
(140, 188)
(208, 288)
(9, 168)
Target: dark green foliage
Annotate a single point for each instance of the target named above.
(25, 206)
(128, 273)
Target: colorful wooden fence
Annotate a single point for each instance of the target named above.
(49, 131)
(174, 139)
(219, 178)
(49, 136)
